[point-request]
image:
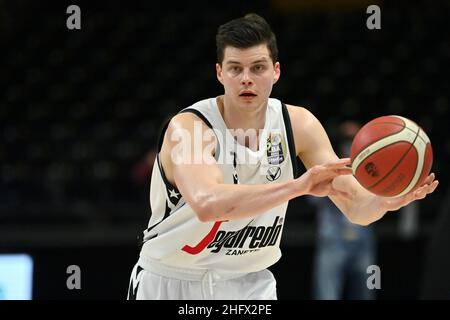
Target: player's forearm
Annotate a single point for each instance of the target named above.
(231, 202)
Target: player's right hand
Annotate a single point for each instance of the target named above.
(318, 180)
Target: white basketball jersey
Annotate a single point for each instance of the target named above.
(176, 237)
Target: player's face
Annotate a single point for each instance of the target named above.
(248, 75)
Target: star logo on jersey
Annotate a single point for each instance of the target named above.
(273, 173)
(173, 194)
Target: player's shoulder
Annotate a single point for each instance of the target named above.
(201, 104)
(188, 116)
(304, 125)
(301, 117)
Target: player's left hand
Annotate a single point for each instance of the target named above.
(428, 186)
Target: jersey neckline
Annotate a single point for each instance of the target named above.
(262, 138)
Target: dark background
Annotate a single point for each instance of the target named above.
(81, 109)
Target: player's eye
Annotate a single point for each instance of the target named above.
(259, 68)
(235, 69)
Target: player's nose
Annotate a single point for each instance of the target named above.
(246, 79)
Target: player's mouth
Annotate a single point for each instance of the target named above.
(247, 95)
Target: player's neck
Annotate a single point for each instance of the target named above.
(236, 118)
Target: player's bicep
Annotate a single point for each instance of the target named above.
(314, 147)
(192, 149)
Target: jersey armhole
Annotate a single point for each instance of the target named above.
(291, 141)
(161, 140)
(206, 121)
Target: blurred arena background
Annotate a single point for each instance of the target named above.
(80, 112)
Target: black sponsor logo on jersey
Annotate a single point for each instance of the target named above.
(275, 148)
(251, 238)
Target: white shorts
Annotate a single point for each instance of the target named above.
(154, 281)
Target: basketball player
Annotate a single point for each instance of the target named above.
(219, 192)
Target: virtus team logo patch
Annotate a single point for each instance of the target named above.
(273, 173)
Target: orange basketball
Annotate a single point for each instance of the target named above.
(391, 156)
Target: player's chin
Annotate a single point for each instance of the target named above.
(249, 102)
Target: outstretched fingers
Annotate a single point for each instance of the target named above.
(429, 179)
(337, 164)
(343, 171)
(425, 189)
(338, 167)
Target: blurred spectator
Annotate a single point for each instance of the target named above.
(142, 170)
(344, 250)
(436, 277)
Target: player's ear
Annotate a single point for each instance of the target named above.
(276, 72)
(219, 72)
